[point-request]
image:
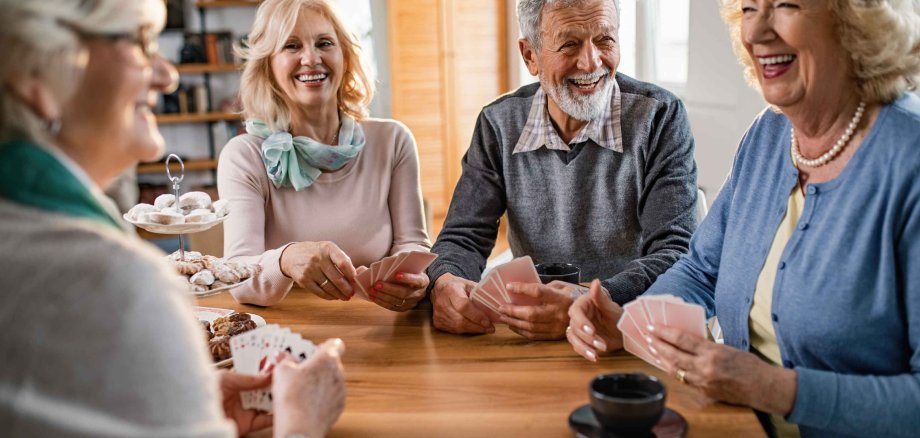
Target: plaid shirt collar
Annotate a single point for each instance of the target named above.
(538, 131)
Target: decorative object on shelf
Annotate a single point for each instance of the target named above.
(175, 14)
(192, 51)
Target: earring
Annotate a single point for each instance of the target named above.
(54, 127)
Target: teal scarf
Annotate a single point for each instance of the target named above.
(32, 176)
(298, 161)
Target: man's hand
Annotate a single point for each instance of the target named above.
(545, 321)
(453, 310)
(592, 325)
(231, 385)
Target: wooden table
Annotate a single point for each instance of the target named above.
(406, 379)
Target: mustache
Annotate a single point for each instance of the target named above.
(603, 71)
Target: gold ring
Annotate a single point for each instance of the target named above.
(682, 376)
(401, 303)
(324, 283)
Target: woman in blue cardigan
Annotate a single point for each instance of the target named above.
(809, 256)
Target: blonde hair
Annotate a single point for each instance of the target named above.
(39, 41)
(261, 96)
(882, 38)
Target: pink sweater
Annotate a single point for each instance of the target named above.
(371, 208)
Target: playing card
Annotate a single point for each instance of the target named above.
(386, 264)
(414, 262)
(486, 305)
(397, 260)
(634, 338)
(690, 318)
(519, 270)
(364, 281)
(491, 286)
(654, 309)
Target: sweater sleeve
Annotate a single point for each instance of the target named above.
(478, 202)
(874, 405)
(242, 181)
(405, 197)
(666, 207)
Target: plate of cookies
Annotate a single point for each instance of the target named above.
(208, 275)
(220, 325)
(194, 212)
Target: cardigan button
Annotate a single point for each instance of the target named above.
(782, 265)
(803, 225)
(774, 317)
(787, 364)
(812, 190)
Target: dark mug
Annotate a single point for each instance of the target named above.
(628, 404)
(566, 272)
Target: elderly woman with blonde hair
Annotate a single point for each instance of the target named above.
(809, 254)
(97, 333)
(316, 186)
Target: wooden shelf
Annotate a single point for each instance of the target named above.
(205, 164)
(226, 3)
(195, 117)
(207, 68)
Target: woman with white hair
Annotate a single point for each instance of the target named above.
(316, 186)
(98, 338)
(809, 254)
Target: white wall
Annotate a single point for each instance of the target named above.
(720, 103)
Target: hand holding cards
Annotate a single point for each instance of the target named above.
(385, 270)
(659, 310)
(491, 293)
(255, 350)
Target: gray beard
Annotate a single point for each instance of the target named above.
(584, 108)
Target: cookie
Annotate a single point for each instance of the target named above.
(164, 201)
(164, 218)
(221, 207)
(195, 200)
(139, 210)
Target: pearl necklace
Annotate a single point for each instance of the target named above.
(838, 146)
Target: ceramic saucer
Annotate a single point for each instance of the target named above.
(585, 425)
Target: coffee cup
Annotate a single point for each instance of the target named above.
(566, 272)
(627, 403)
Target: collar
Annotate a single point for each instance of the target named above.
(538, 132)
(44, 177)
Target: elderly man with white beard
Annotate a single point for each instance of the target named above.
(593, 168)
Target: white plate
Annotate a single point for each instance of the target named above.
(210, 292)
(195, 227)
(209, 314)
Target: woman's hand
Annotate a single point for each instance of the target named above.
(401, 294)
(309, 396)
(724, 373)
(231, 385)
(592, 323)
(321, 268)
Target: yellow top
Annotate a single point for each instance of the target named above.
(763, 338)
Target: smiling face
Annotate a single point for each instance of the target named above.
(109, 122)
(797, 57)
(310, 65)
(577, 58)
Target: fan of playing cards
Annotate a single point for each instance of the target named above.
(490, 293)
(660, 310)
(255, 350)
(411, 262)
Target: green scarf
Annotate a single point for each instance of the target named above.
(32, 176)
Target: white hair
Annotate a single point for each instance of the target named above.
(882, 38)
(39, 41)
(530, 15)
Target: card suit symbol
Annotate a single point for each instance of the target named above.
(303, 356)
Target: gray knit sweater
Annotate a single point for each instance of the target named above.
(96, 337)
(622, 217)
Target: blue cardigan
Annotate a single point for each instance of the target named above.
(846, 299)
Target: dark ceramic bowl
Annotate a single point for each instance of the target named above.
(627, 403)
(566, 272)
